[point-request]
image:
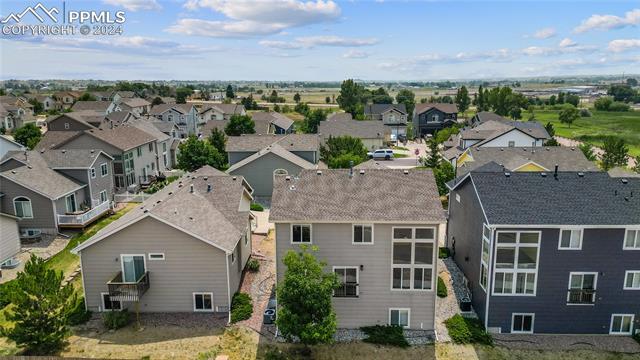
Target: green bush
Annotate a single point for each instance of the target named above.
(5, 290)
(585, 113)
(444, 253)
(241, 307)
(256, 207)
(618, 106)
(442, 288)
(385, 335)
(114, 320)
(253, 265)
(467, 330)
(637, 337)
(78, 314)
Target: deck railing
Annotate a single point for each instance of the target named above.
(84, 218)
(128, 291)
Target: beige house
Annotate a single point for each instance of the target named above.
(182, 250)
(9, 238)
(384, 255)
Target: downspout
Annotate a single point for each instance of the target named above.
(226, 258)
(84, 288)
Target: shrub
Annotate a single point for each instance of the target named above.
(585, 113)
(637, 337)
(241, 307)
(442, 288)
(385, 335)
(444, 253)
(253, 265)
(256, 207)
(618, 106)
(467, 330)
(114, 320)
(78, 314)
(5, 290)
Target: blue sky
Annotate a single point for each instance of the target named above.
(326, 40)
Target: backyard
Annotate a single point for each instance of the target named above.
(595, 129)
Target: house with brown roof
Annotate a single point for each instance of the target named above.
(429, 118)
(181, 251)
(211, 112)
(14, 112)
(184, 116)
(271, 122)
(67, 98)
(137, 106)
(385, 258)
(51, 189)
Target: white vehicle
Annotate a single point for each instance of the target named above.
(386, 154)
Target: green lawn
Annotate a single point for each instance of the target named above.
(595, 129)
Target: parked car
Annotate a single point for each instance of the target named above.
(386, 154)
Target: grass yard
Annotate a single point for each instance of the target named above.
(595, 129)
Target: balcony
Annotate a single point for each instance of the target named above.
(146, 180)
(128, 291)
(581, 296)
(80, 220)
(346, 290)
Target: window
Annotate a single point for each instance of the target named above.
(233, 256)
(516, 263)
(399, 317)
(246, 240)
(412, 258)
(66, 126)
(203, 302)
(621, 324)
(150, 147)
(582, 288)
(70, 203)
(156, 256)
(301, 234)
(139, 151)
(93, 173)
(104, 169)
(632, 240)
(108, 304)
(458, 197)
(133, 268)
(522, 323)
(103, 196)
(23, 208)
(436, 117)
(632, 280)
(484, 261)
(362, 234)
(570, 239)
(512, 143)
(348, 279)
(164, 146)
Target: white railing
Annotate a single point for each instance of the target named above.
(84, 218)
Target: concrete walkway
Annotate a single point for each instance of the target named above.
(262, 221)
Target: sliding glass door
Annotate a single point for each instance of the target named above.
(133, 268)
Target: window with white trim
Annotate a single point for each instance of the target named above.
(301, 234)
(632, 240)
(156, 256)
(512, 143)
(522, 323)
(516, 262)
(484, 260)
(203, 302)
(23, 208)
(412, 258)
(103, 196)
(362, 234)
(93, 173)
(108, 304)
(570, 239)
(104, 169)
(348, 279)
(139, 151)
(399, 317)
(582, 287)
(621, 324)
(632, 280)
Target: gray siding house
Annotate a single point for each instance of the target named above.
(429, 118)
(183, 250)
(548, 252)
(9, 238)
(385, 259)
(184, 116)
(394, 116)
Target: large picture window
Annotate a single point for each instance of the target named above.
(484, 261)
(23, 208)
(412, 258)
(516, 262)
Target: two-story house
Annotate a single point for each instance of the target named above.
(211, 112)
(137, 106)
(429, 118)
(67, 98)
(385, 258)
(548, 252)
(7, 145)
(51, 189)
(99, 107)
(393, 116)
(184, 116)
(182, 250)
(272, 123)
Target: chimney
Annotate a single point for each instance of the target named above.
(350, 168)
(191, 188)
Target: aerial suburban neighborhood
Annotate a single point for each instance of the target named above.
(319, 179)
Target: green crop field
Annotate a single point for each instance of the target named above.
(595, 129)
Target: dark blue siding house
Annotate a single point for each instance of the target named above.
(429, 118)
(554, 252)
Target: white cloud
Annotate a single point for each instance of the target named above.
(621, 45)
(323, 40)
(566, 46)
(135, 5)
(545, 33)
(566, 42)
(355, 54)
(607, 22)
(278, 44)
(251, 18)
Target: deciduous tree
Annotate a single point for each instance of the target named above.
(195, 153)
(568, 115)
(616, 153)
(462, 99)
(350, 96)
(296, 98)
(338, 151)
(312, 119)
(408, 98)
(28, 135)
(240, 124)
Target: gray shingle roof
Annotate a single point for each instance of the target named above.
(361, 129)
(226, 108)
(262, 119)
(372, 164)
(531, 199)
(489, 116)
(277, 150)
(375, 195)
(444, 107)
(101, 106)
(71, 158)
(256, 142)
(339, 116)
(123, 137)
(135, 102)
(214, 124)
(376, 109)
(56, 139)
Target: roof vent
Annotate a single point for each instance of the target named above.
(158, 202)
(208, 188)
(64, 151)
(573, 149)
(29, 167)
(288, 178)
(507, 174)
(319, 172)
(292, 187)
(406, 172)
(41, 151)
(361, 171)
(501, 149)
(13, 171)
(543, 174)
(145, 211)
(206, 178)
(170, 192)
(191, 188)
(234, 178)
(580, 174)
(548, 149)
(624, 181)
(92, 151)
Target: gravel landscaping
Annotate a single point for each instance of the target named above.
(622, 344)
(456, 292)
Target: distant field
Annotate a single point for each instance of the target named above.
(595, 129)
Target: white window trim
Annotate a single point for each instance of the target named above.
(533, 322)
(595, 285)
(413, 266)
(482, 262)
(103, 174)
(633, 318)
(408, 316)
(75, 201)
(515, 271)
(15, 209)
(637, 239)
(627, 273)
(144, 259)
(353, 235)
(457, 197)
(156, 259)
(301, 243)
(93, 172)
(581, 232)
(357, 278)
(106, 195)
(193, 297)
(104, 307)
